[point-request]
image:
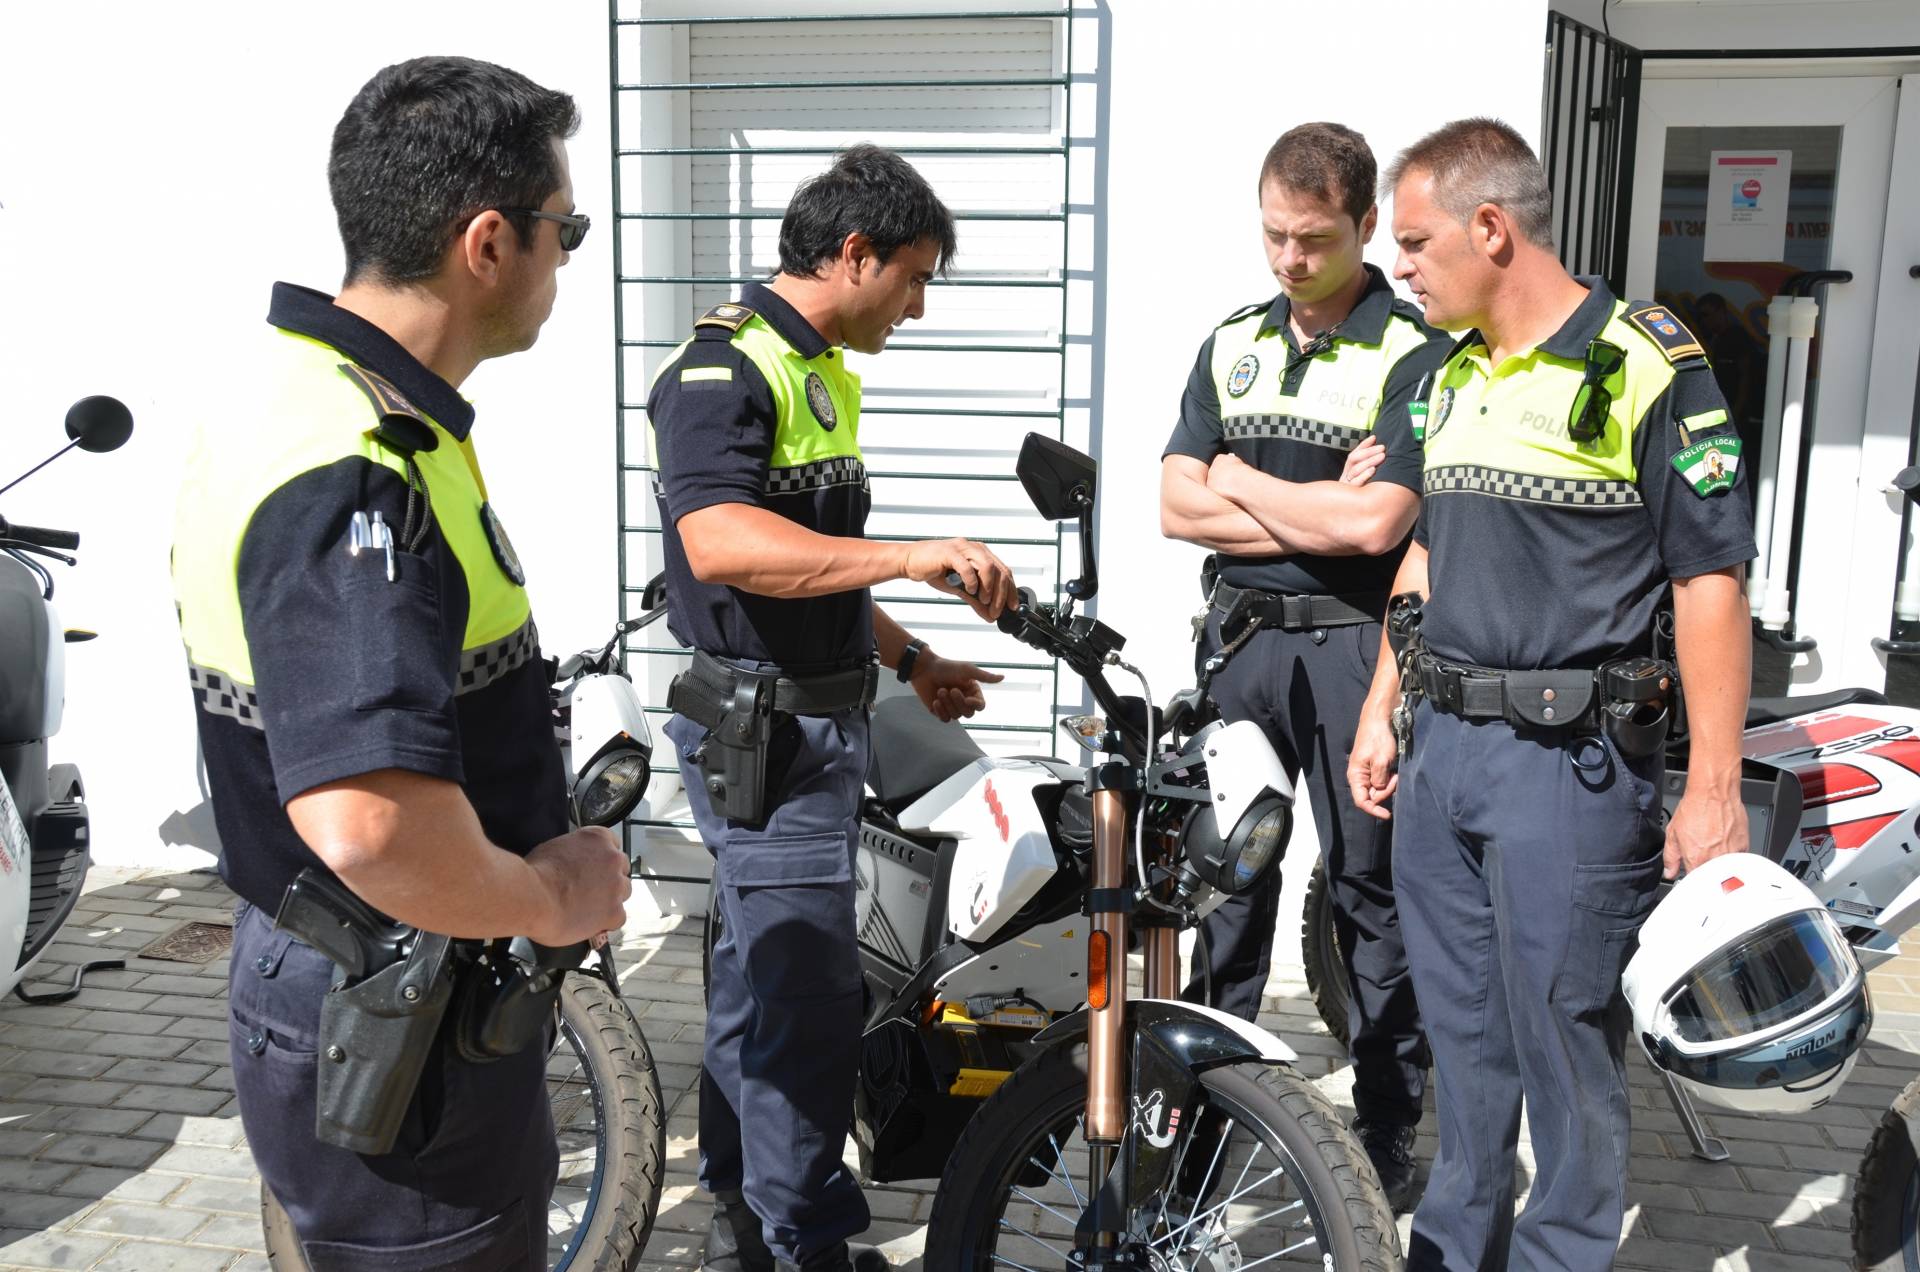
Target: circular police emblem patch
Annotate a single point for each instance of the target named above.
(1440, 414)
(821, 401)
(1240, 379)
(502, 546)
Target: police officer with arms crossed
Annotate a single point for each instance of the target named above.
(764, 501)
(1284, 393)
(1568, 493)
(371, 701)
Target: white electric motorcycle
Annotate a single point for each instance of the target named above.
(44, 845)
(1076, 1122)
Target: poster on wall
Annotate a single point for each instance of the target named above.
(1747, 204)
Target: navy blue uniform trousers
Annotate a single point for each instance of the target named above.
(1306, 695)
(784, 989)
(1526, 863)
(466, 1185)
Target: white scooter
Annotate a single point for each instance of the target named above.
(43, 811)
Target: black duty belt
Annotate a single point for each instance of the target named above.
(1542, 699)
(1241, 605)
(803, 696)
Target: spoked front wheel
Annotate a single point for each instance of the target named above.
(1264, 1173)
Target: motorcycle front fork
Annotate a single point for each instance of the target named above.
(1108, 1108)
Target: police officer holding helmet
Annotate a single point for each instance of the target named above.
(1571, 487)
(1285, 394)
(372, 706)
(764, 502)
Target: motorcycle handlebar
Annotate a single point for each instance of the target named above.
(39, 536)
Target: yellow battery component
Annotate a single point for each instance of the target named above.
(978, 1084)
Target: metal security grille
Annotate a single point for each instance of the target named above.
(716, 119)
(1591, 109)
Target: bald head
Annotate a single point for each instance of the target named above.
(1474, 162)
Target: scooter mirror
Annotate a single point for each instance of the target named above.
(99, 423)
(1059, 479)
(1908, 482)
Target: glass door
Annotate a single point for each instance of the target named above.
(1747, 190)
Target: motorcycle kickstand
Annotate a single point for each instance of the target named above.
(64, 995)
(1705, 1146)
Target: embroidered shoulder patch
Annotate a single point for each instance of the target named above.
(731, 316)
(1710, 464)
(400, 425)
(1660, 326)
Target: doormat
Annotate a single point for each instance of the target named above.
(191, 943)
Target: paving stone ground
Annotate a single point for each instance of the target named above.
(121, 1147)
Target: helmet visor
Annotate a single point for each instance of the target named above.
(1779, 972)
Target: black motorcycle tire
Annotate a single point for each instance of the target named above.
(624, 1197)
(1052, 1087)
(1320, 953)
(1886, 1198)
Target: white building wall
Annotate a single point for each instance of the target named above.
(1752, 24)
(166, 163)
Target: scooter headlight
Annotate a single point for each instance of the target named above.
(609, 788)
(1238, 862)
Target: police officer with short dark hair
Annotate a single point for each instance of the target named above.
(1284, 395)
(1580, 469)
(372, 705)
(764, 503)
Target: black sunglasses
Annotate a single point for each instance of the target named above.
(573, 226)
(1593, 401)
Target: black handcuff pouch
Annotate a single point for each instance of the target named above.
(1637, 699)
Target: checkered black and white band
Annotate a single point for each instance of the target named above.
(1472, 479)
(842, 470)
(481, 667)
(220, 694)
(1340, 437)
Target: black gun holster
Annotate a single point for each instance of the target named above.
(739, 724)
(740, 709)
(378, 1022)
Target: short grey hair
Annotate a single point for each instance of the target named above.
(1482, 160)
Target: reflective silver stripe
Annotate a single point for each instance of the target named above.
(841, 470)
(1340, 437)
(481, 667)
(219, 694)
(1526, 487)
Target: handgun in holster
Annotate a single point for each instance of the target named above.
(391, 986)
(739, 724)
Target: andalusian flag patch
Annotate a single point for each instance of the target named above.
(1710, 464)
(1417, 416)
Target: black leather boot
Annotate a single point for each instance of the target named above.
(840, 1257)
(734, 1239)
(1390, 1149)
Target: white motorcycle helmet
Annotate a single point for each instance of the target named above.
(1744, 989)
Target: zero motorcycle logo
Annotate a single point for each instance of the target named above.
(1146, 1119)
(1858, 742)
(1000, 822)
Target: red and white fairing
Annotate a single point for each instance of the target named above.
(1858, 847)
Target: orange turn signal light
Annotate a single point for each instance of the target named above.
(1099, 946)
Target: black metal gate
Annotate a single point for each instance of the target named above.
(1591, 113)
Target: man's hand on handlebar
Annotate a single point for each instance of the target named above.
(984, 580)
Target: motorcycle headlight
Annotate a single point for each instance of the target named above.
(607, 791)
(1238, 862)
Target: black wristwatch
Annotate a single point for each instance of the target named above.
(908, 657)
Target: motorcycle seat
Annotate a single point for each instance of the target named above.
(912, 751)
(1761, 711)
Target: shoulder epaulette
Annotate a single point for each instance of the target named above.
(1246, 311)
(1657, 323)
(398, 423)
(1403, 308)
(727, 318)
